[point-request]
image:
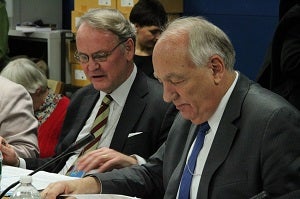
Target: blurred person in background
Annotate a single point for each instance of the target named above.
(280, 71)
(149, 19)
(49, 108)
(18, 126)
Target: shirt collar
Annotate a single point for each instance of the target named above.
(215, 119)
(120, 94)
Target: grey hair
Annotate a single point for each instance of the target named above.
(205, 40)
(25, 72)
(110, 20)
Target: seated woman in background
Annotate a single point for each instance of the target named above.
(18, 126)
(49, 108)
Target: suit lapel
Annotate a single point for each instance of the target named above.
(131, 113)
(224, 136)
(175, 178)
(85, 107)
(80, 115)
(218, 152)
(85, 110)
(190, 140)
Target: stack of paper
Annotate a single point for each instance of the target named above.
(40, 180)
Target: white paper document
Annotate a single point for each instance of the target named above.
(40, 180)
(95, 196)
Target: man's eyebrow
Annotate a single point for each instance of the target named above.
(97, 52)
(169, 76)
(101, 51)
(173, 75)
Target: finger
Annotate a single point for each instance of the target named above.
(109, 165)
(92, 163)
(92, 154)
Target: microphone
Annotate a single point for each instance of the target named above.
(80, 143)
(70, 150)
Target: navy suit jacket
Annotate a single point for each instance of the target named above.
(255, 149)
(144, 111)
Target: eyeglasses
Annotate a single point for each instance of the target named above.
(100, 56)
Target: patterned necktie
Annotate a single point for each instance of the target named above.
(186, 179)
(99, 124)
(97, 129)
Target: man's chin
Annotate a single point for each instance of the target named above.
(100, 87)
(192, 118)
(185, 115)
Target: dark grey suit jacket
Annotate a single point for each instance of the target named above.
(255, 149)
(144, 111)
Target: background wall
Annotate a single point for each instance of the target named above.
(248, 23)
(49, 11)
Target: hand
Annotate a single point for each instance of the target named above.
(104, 159)
(87, 185)
(10, 157)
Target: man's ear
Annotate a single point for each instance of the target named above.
(38, 91)
(129, 48)
(129, 45)
(217, 66)
(137, 27)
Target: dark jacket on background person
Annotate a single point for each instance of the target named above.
(281, 69)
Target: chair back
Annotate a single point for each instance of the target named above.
(56, 86)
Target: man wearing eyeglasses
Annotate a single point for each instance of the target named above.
(138, 120)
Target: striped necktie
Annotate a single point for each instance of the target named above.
(97, 129)
(187, 176)
(99, 124)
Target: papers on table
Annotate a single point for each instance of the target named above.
(40, 180)
(95, 196)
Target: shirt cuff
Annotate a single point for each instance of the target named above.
(22, 163)
(139, 159)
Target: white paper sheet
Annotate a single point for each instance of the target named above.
(95, 196)
(40, 180)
